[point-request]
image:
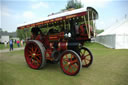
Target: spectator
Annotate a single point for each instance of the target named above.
(35, 32)
(5, 44)
(18, 43)
(15, 41)
(11, 45)
(21, 42)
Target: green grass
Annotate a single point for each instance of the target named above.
(2, 47)
(110, 67)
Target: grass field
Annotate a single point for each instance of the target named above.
(110, 67)
(2, 47)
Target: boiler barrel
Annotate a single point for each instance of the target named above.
(73, 45)
(67, 45)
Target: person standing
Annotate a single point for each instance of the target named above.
(21, 42)
(11, 45)
(15, 41)
(18, 43)
(5, 44)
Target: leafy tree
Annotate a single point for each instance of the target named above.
(11, 34)
(98, 31)
(24, 33)
(74, 4)
(1, 30)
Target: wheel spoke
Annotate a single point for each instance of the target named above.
(65, 65)
(29, 55)
(30, 58)
(84, 52)
(37, 64)
(35, 50)
(32, 61)
(67, 58)
(38, 54)
(29, 52)
(32, 49)
(28, 48)
(85, 62)
(68, 69)
(80, 53)
(71, 69)
(75, 66)
(74, 61)
(87, 59)
(37, 60)
(71, 57)
(38, 51)
(87, 55)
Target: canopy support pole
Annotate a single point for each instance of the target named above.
(93, 24)
(89, 36)
(68, 25)
(64, 25)
(86, 24)
(94, 28)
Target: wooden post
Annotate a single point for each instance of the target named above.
(64, 25)
(94, 28)
(85, 24)
(68, 25)
(93, 25)
(88, 26)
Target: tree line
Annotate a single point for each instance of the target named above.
(10, 34)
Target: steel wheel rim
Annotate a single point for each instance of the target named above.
(33, 55)
(70, 63)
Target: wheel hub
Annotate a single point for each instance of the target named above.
(82, 57)
(68, 63)
(33, 55)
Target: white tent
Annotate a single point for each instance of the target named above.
(115, 37)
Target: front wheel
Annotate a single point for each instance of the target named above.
(86, 56)
(70, 62)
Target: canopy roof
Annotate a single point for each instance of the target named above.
(122, 29)
(118, 29)
(62, 16)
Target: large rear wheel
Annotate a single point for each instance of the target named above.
(34, 54)
(70, 62)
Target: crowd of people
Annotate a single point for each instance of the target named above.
(20, 43)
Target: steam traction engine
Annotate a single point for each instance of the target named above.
(61, 38)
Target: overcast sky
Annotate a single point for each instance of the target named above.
(15, 12)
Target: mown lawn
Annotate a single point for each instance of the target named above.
(110, 67)
(2, 46)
